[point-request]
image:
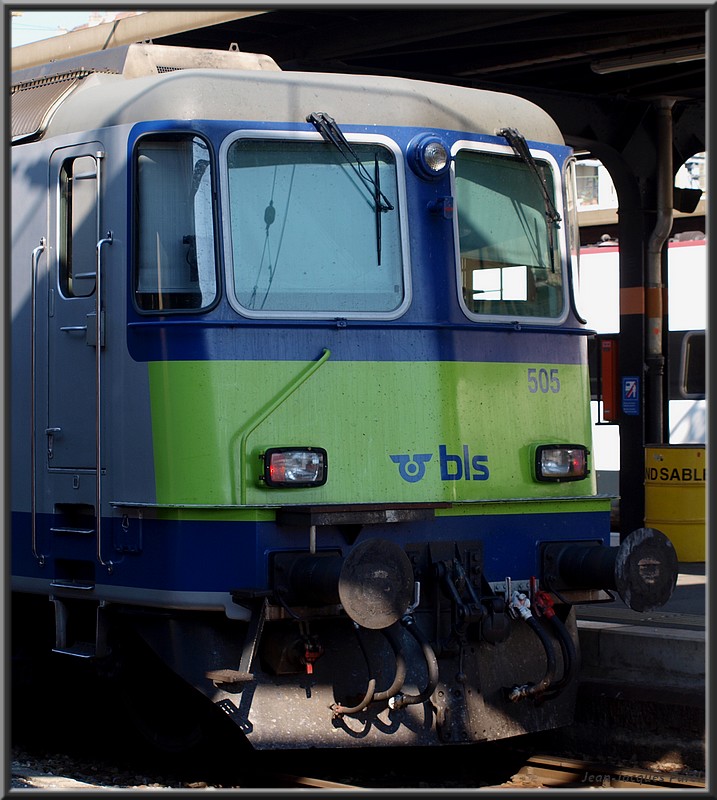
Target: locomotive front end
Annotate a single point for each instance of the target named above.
(340, 479)
(415, 582)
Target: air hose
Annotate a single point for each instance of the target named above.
(392, 635)
(338, 709)
(400, 700)
(521, 604)
(544, 603)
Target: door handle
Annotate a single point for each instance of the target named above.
(90, 330)
(50, 433)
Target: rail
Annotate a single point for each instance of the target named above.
(553, 771)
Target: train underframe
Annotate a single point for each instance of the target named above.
(388, 645)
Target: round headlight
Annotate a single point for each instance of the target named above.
(436, 156)
(429, 156)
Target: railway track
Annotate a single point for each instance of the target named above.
(300, 782)
(554, 771)
(537, 771)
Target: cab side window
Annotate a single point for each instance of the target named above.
(175, 258)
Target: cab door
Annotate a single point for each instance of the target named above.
(75, 187)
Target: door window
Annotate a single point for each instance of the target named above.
(79, 231)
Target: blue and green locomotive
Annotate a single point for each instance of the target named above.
(300, 396)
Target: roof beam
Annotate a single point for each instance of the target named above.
(128, 30)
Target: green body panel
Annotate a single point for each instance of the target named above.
(211, 421)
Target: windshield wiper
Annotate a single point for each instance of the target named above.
(520, 147)
(332, 134)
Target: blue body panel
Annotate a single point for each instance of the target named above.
(221, 556)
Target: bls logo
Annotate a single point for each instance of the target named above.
(412, 469)
(453, 467)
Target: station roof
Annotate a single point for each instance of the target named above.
(622, 50)
(597, 69)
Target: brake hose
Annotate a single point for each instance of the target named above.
(544, 603)
(338, 709)
(521, 604)
(400, 700)
(393, 636)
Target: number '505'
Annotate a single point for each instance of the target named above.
(543, 380)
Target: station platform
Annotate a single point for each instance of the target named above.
(663, 647)
(642, 683)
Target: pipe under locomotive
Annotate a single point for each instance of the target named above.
(301, 396)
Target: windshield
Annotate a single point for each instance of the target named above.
(306, 238)
(509, 256)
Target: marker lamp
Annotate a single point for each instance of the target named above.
(561, 462)
(428, 156)
(295, 466)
